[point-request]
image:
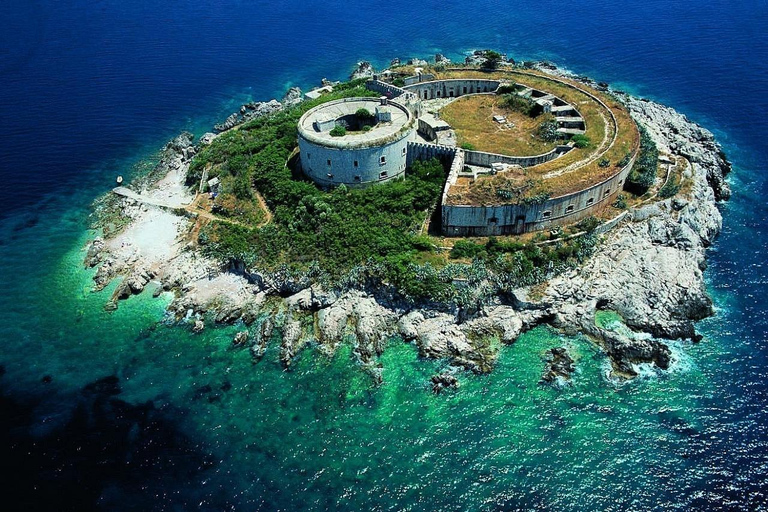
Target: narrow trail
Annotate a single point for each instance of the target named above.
(194, 207)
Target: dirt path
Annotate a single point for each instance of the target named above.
(194, 207)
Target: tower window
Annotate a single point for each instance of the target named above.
(356, 164)
(382, 175)
(547, 214)
(329, 162)
(570, 208)
(383, 160)
(357, 178)
(590, 201)
(606, 192)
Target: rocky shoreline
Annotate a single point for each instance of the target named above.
(648, 269)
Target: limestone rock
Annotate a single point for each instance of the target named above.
(443, 381)
(240, 338)
(292, 341)
(294, 96)
(559, 366)
(198, 327)
(364, 69)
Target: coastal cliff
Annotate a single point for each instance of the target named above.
(648, 270)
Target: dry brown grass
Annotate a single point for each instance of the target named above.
(599, 129)
(472, 119)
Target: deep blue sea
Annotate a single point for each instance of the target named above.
(120, 412)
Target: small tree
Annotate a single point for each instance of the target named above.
(363, 114)
(338, 131)
(492, 59)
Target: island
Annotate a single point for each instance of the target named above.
(450, 206)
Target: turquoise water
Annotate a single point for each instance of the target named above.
(93, 89)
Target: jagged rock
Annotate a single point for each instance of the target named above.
(198, 327)
(248, 112)
(559, 365)
(294, 96)
(443, 381)
(292, 341)
(499, 320)
(240, 338)
(207, 138)
(264, 334)
(312, 299)
(418, 62)
(441, 59)
(394, 62)
(364, 69)
(93, 255)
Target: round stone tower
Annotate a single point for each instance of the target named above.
(371, 148)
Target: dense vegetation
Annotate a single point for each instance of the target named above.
(643, 173)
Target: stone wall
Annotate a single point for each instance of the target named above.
(451, 88)
(483, 159)
(459, 220)
(427, 151)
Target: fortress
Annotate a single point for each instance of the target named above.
(590, 150)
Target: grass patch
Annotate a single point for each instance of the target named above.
(472, 119)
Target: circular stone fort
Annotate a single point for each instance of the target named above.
(525, 151)
(355, 141)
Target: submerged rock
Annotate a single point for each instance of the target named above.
(443, 381)
(559, 365)
(240, 338)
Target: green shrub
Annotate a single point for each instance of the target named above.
(338, 131)
(643, 173)
(492, 59)
(580, 140)
(363, 114)
(621, 202)
(468, 146)
(669, 189)
(547, 131)
(588, 224)
(398, 82)
(521, 104)
(466, 249)
(604, 162)
(509, 88)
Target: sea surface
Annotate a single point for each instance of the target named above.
(120, 411)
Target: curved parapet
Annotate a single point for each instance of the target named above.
(452, 88)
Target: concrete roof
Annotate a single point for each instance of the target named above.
(380, 133)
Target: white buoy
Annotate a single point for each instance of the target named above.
(119, 180)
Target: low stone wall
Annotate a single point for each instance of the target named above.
(483, 159)
(415, 79)
(460, 220)
(389, 90)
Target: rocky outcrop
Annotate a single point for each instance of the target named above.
(294, 96)
(248, 112)
(364, 69)
(559, 366)
(443, 381)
